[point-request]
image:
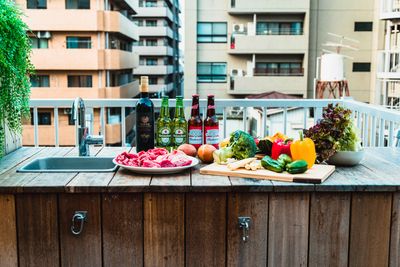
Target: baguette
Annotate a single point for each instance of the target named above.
(240, 164)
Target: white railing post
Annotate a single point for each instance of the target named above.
(35, 126)
(56, 130)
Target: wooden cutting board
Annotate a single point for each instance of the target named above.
(316, 175)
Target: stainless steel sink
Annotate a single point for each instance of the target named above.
(70, 164)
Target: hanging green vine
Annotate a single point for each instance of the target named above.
(15, 68)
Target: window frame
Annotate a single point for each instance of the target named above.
(212, 36)
(34, 4)
(279, 30)
(40, 80)
(211, 75)
(80, 81)
(40, 118)
(79, 41)
(78, 7)
(363, 26)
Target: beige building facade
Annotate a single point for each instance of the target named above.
(81, 48)
(234, 48)
(158, 47)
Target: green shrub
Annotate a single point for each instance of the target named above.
(15, 68)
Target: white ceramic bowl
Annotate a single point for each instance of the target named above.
(346, 158)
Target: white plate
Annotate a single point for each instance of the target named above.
(146, 170)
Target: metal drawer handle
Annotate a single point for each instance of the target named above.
(78, 219)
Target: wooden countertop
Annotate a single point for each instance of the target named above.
(379, 171)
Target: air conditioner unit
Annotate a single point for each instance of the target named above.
(44, 35)
(238, 28)
(67, 111)
(237, 73)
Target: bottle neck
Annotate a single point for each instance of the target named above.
(144, 94)
(195, 108)
(164, 111)
(210, 107)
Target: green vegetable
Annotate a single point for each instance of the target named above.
(221, 155)
(298, 166)
(334, 132)
(15, 68)
(242, 144)
(270, 164)
(284, 159)
(265, 146)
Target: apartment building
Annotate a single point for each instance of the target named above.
(388, 70)
(243, 47)
(158, 46)
(81, 48)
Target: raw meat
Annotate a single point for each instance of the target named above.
(154, 158)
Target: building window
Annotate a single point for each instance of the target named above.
(279, 28)
(79, 80)
(211, 72)
(151, 23)
(36, 4)
(119, 78)
(151, 3)
(151, 42)
(153, 80)
(278, 69)
(79, 42)
(39, 43)
(40, 81)
(361, 67)
(151, 62)
(363, 26)
(44, 118)
(211, 32)
(77, 4)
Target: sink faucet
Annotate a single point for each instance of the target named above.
(84, 139)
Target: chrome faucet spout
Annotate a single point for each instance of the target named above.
(83, 137)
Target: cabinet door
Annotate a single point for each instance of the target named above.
(253, 252)
(83, 249)
(38, 243)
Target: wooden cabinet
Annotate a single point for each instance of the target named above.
(201, 229)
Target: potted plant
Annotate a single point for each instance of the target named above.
(15, 68)
(336, 137)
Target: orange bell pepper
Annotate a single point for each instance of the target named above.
(304, 149)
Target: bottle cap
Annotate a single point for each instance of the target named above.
(144, 84)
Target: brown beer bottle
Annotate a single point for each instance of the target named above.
(195, 124)
(211, 125)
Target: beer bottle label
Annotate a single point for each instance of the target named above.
(164, 136)
(211, 135)
(195, 135)
(179, 136)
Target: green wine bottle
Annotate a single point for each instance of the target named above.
(179, 124)
(164, 132)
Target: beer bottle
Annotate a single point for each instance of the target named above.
(164, 125)
(195, 124)
(211, 125)
(179, 125)
(144, 118)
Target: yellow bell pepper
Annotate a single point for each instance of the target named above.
(304, 149)
(224, 142)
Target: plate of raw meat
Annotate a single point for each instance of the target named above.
(155, 161)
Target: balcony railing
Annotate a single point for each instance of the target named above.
(275, 72)
(377, 124)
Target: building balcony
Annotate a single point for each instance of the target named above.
(116, 22)
(268, 6)
(119, 59)
(295, 85)
(72, 20)
(155, 31)
(388, 65)
(390, 9)
(154, 70)
(155, 12)
(68, 59)
(128, 4)
(154, 88)
(67, 92)
(154, 50)
(271, 44)
(125, 91)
